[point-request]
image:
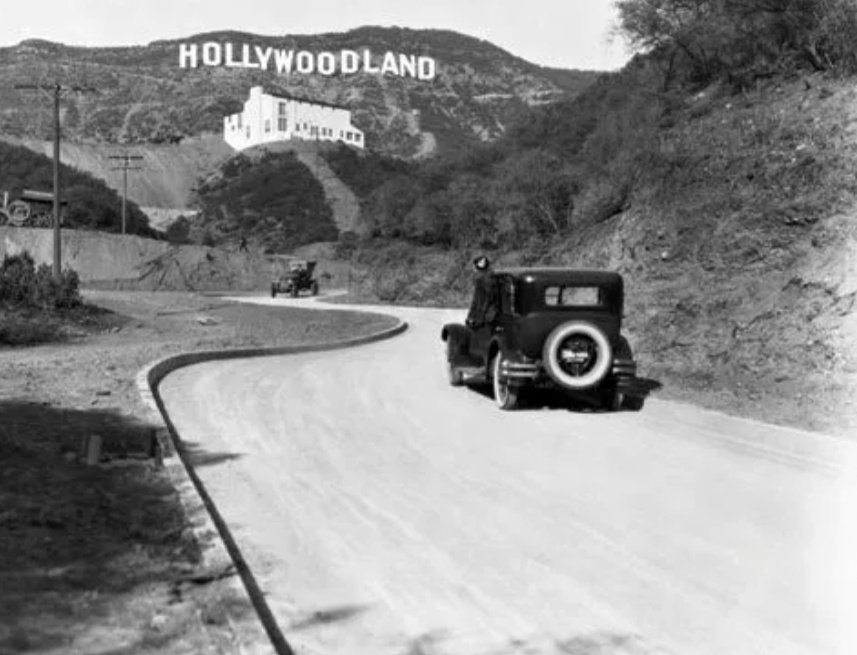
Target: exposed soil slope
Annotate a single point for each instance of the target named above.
(167, 175)
(129, 262)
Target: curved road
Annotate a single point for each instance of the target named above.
(384, 512)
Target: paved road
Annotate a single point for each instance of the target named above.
(386, 513)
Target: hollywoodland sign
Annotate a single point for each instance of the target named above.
(288, 62)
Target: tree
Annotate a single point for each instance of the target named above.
(739, 37)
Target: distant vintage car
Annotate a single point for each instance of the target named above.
(298, 278)
(552, 328)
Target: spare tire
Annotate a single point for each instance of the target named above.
(577, 355)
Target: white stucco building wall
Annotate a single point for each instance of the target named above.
(267, 117)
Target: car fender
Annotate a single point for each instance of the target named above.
(457, 338)
(454, 331)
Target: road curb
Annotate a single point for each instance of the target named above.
(219, 549)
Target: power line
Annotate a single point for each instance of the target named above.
(55, 91)
(126, 159)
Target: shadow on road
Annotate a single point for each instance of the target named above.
(84, 549)
(597, 643)
(328, 616)
(197, 456)
(531, 399)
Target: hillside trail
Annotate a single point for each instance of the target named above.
(342, 200)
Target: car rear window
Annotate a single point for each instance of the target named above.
(573, 296)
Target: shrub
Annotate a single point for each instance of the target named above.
(19, 330)
(24, 285)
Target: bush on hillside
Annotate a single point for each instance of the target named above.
(22, 284)
(739, 40)
(91, 203)
(276, 202)
(178, 231)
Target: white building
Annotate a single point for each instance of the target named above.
(268, 118)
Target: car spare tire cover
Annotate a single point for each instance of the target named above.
(577, 355)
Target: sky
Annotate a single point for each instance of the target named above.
(558, 33)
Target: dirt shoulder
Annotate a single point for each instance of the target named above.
(101, 558)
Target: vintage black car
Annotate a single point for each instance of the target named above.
(552, 328)
(299, 278)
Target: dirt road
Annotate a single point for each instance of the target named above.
(384, 512)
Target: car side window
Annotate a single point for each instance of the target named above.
(574, 296)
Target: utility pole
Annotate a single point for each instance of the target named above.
(125, 167)
(56, 91)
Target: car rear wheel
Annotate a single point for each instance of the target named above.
(505, 395)
(577, 355)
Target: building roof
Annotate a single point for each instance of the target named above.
(286, 96)
(43, 196)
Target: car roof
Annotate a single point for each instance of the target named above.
(562, 275)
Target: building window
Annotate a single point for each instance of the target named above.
(341, 134)
(267, 126)
(239, 121)
(282, 109)
(357, 136)
(281, 124)
(248, 132)
(297, 127)
(348, 136)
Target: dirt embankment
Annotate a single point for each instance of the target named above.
(131, 262)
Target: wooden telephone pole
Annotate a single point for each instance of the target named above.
(56, 91)
(125, 167)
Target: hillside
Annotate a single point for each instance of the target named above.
(734, 220)
(142, 95)
(165, 177)
(91, 203)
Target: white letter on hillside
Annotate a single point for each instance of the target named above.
(350, 62)
(245, 57)
(230, 60)
(367, 63)
(283, 59)
(305, 62)
(427, 68)
(264, 56)
(326, 64)
(389, 64)
(187, 55)
(408, 64)
(211, 54)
